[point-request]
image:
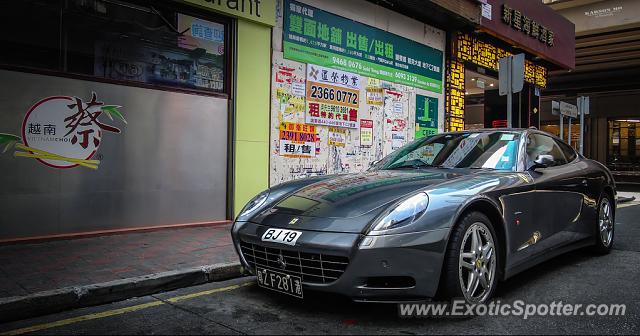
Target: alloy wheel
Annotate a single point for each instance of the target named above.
(477, 263)
(605, 222)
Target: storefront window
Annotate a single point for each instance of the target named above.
(114, 40)
(575, 132)
(624, 145)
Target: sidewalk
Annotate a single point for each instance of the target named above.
(31, 268)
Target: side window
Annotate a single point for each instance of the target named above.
(568, 151)
(539, 144)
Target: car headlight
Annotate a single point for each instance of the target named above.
(254, 203)
(403, 213)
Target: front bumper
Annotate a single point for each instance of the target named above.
(417, 256)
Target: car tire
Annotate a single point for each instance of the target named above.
(605, 225)
(458, 267)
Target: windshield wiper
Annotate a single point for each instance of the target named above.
(412, 166)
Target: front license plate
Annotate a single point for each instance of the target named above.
(279, 282)
(281, 236)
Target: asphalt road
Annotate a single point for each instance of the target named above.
(240, 306)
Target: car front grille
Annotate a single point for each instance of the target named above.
(311, 267)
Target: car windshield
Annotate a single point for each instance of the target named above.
(475, 150)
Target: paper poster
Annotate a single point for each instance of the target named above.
(398, 108)
(375, 96)
(398, 125)
(298, 89)
(332, 97)
(337, 136)
(297, 140)
(397, 140)
(366, 133)
(426, 116)
(284, 75)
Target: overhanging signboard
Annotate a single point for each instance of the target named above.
(534, 27)
(314, 36)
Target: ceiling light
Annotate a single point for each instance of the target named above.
(491, 84)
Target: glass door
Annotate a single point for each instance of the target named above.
(623, 145)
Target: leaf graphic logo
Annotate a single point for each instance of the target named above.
(64, 131)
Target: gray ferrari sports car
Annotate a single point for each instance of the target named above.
(448, 215)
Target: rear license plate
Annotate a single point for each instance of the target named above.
(279, 282)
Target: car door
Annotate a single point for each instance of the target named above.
(586, 217)
(559, 193)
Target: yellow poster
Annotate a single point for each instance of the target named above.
(337, 136)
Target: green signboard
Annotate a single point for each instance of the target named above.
(426, 116)
(314, 36)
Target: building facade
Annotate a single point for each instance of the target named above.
(135, 114)
(608, 72)
(120, 115)
(506, 27)
(351, 82)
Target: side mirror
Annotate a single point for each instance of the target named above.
(371, 164)
(543, 161)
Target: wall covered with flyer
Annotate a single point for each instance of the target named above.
(329, 119)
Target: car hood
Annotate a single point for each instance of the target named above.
(354, 195)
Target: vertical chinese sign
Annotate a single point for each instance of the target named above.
(297, 140)
(314, 36)
(426, 116)
(333, 97)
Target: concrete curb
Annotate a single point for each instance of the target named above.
(626, 199)
(49, 302)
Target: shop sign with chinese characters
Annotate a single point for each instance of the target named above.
(520, 22)
(314, 36)
(63, 131)
(333, 97)
(297, 140)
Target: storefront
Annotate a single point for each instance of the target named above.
(507, 27)
(127, 115)
(351, 82)
(608, 72)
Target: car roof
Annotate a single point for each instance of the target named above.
(522, 131)
(480, 130)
